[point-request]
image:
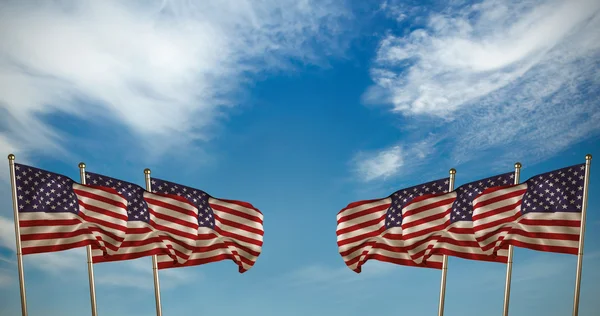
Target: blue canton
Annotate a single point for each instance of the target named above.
(462, 208)
(43, 191)
(137, 209)
(402, 197)
(197, 197)
(556, 191)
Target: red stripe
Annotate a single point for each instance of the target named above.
(240, 226)
(546, 248)
(174, 220)
(104, 200)
(242, 204)
(128, 256)
(367, 211)
(426, 219)
(238, 237)
(173, 231)
(90, 219)
(236, 213)
(360, 225)
(427, 231)
(49, 222)
(54, 248)
(361, 237)
(499, 198)
(427, 207)
(172, 207)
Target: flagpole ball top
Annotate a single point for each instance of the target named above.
(452, 171)
(146, 171)
(11, 157)
(518, 165)
(587, 157)
(81, 165)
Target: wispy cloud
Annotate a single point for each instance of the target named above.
(495, 74)
(379, 165)
(158, 68)
(137, 273)
(324, 276)
(6, 278)
(7, 233)
(393, 161)
(6, 260)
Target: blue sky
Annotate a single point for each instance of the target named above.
(300, 107)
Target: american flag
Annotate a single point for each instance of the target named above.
(141, 238)
(442, 224)
(544, 213)
(372, 229)
(56, 213)
(176, 216)
(227, 229)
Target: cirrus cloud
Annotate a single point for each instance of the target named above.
(165, 70)
(510, 79)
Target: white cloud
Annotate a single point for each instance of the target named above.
(6, 279)
(395, 160)
(161, 68)
(497, 74)
(324, 276)
(7, 233)
(379, 165)
(138, 274)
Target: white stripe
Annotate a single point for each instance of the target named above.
(363, 207)
(55, 241)
(361, 219)
(355, 233)
(236, 207)
(238, 231)
(424, 226)
(237, 219)
(38, 216)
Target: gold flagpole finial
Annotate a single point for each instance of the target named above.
(452, 171)
(518, 165)
(11, 157)
(588, 157)
(146, 171)
(81, 165)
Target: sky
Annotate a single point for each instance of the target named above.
(300, 107)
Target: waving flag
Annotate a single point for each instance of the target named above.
(544, 213)
(56, 213)
(227, 229)
(442, 223)
(141, 238)
(371, 229)
(176, 216)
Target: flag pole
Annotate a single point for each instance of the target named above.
(154, 257)
(510, 254)
(13, 184)
(586, 184)
(88, 248)
(445, 258)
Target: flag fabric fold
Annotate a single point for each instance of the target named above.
(442, 223)
(177, 217)
(56, 213)
(227, 229)
(372, 229)
(543, 213)
(142, 238)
